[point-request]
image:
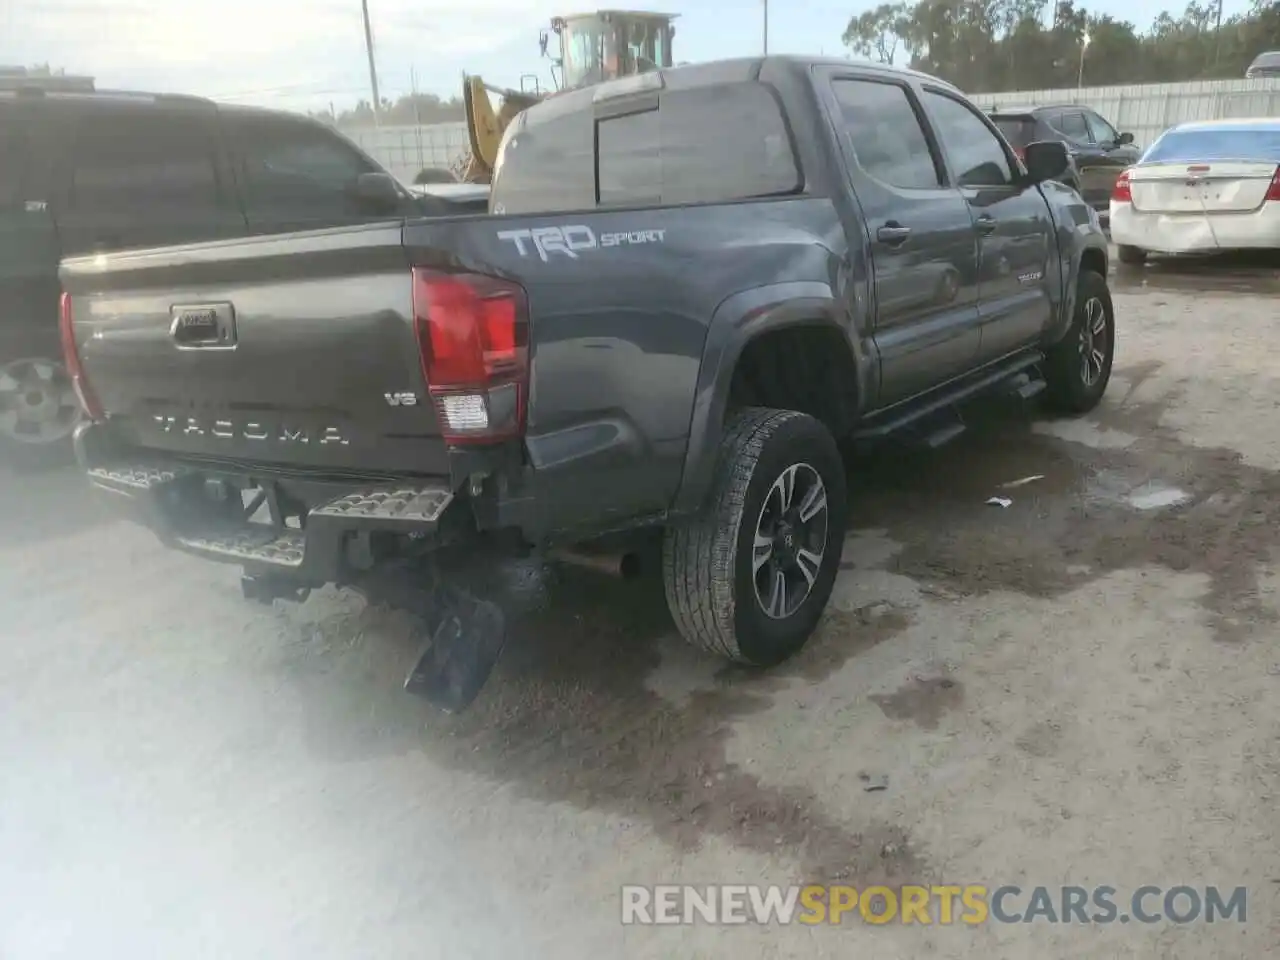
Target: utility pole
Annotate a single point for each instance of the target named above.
(1217, 36)
(373, 71)
(766, 27)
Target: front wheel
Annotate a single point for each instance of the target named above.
(749, 577)
(1078, 367)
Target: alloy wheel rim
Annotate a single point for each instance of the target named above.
(1093, 341)
(790, 541)
(37, 402)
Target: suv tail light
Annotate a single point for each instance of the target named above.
(1273, 191)
(1122, 192)
(71, 360)
(473, 335)
(1020, 153)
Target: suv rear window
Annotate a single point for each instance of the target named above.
(711, 144)
(1019, 131)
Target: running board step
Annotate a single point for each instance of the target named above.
(278, 548)
(944, 435)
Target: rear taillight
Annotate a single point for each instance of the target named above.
(473, 334)
(1122, 192)
(1020, 153)
(1273, 191)
(71, 360)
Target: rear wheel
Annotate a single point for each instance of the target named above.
(38, 410)
(1078, 367)
(1131, 256)
(749, 578)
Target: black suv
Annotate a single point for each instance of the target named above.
(86, 171)
(1098, 151)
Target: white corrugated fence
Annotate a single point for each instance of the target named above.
(1145, 110)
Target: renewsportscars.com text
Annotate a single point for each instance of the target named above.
(970, 904)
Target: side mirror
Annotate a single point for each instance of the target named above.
(377, 192)
(1046, 160)
(1124, 138)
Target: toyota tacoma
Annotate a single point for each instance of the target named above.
(690, 287)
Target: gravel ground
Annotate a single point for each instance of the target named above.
(1078, 689)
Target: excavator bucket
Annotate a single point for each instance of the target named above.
(485, 125)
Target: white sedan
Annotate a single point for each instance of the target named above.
(1201, 187)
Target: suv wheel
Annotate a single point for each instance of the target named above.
(1078, 367)
(749, 578)
(38, 408)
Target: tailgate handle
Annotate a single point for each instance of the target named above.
(203, 326)
(893, 234)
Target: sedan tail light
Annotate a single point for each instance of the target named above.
(473, 338)
(1122, 192)
(1273, 191)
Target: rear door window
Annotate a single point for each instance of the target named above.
(142, 161)
(886, 133)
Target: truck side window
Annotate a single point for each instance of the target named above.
(132, 160)
(284, 163)
(1102, 132)
(977, 154)
(886, 134)
(1072, 126)
(630, 159)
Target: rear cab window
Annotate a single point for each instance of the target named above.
(707, 144)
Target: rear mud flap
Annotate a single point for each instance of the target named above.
(461, 653)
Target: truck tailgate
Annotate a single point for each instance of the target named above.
(296, 350)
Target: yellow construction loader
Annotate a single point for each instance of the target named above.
(594, 47)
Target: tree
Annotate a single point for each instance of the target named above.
(876, 34)
(986, 46)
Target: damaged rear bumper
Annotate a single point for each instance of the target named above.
(303, 533)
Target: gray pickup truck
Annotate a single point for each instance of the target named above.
(690, 286)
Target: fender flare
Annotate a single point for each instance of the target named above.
(736, 322)
(1086, 245)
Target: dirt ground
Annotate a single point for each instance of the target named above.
(1079, 689)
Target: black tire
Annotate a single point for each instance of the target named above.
(708, 567)
(1070, 388)
(1131, 256)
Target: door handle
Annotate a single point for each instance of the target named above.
(893, 234)
(986, 225)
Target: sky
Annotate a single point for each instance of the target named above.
(308, 54)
